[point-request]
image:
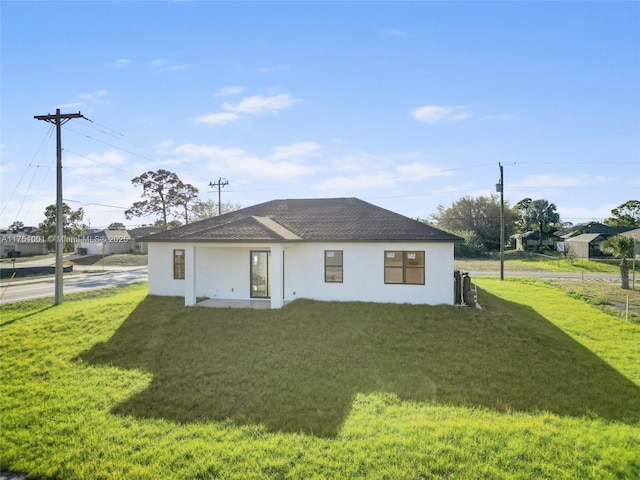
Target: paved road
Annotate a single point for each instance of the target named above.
(31, 289)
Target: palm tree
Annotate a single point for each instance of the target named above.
(620, 247)
(543, 214)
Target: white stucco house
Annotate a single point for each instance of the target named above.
(105, 242)
(340, 249)
(21, 244)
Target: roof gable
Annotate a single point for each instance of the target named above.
(325, 219)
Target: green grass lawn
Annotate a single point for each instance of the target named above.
(117, 260)
(531, 262)
(17, 260)
(115, 384)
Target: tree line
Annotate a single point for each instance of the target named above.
(477, 220)
(172, 202)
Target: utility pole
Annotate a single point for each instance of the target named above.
(500, 188)
(58, 120)
(219, 184)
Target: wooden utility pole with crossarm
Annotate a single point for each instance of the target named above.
(219, 184)
(58, 120)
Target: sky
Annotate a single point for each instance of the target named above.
(407, 105)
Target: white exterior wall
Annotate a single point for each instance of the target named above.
(223, 271)
(94, 247)
(161, 280)
(26, 249)
(363, 273)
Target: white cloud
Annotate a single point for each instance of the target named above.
(209, 151)
(361, 162)
(99, 164)
(120, 63)
(6, 168)
(70, 105)
(343, 185)
(295, 150)
(84, 98)
(433, 114)
(462, 188)
(230, 91)
(91, 97)
(371, 172)
(165, 144)
(259, 105)
(240, 163)
(218, 118)
(256, 105)
(582, 214)
(420, 171)
(273, 68)
(161, 65)
(551, 180)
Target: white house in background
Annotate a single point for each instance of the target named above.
(105, 242)
(22, 244)
(341, 249)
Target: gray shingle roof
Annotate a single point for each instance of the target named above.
(323, 219)
(592, 227)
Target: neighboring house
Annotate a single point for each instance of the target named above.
(530, 240)
(590, 227)
(585, 239)
(585, 246)
(22, 245)
(137, 235)
(341, 249)
(635, 234)
(105, 242)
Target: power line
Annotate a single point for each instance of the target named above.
(92, 203)
(24, 198)
(40, 148)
